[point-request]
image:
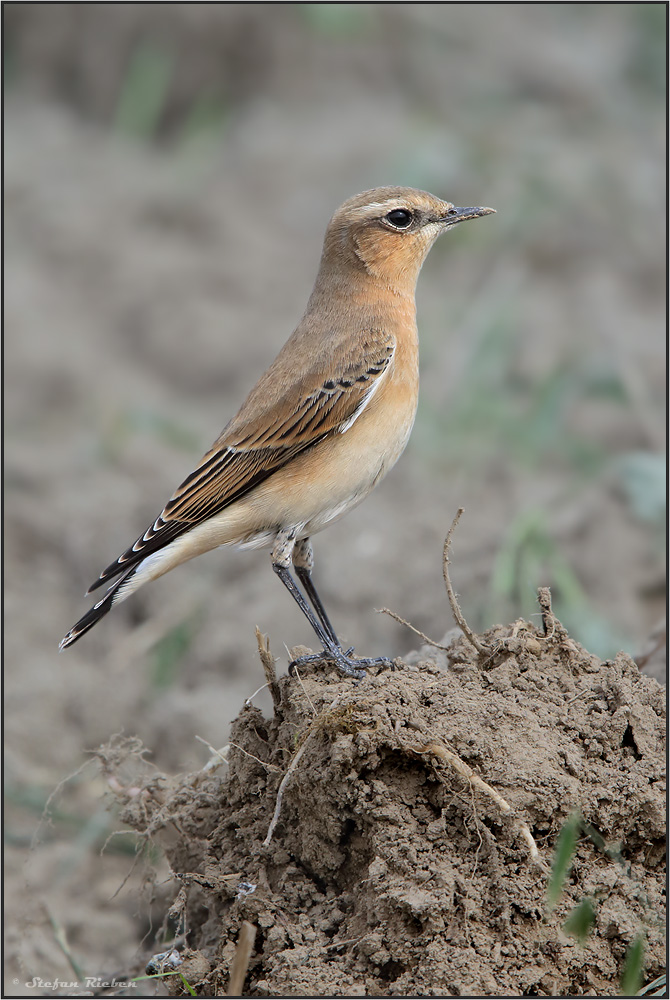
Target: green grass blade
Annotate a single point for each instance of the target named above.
(169, 652)
(565, 849)
(581, 920)
(144, 92)
(631, 977)
(187, 985)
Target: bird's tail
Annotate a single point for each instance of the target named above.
(115, 593)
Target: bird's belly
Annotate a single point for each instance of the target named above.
(341, 492)
(324, 483)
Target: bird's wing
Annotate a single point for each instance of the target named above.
(326, 400)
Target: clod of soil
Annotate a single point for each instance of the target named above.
(392, 870)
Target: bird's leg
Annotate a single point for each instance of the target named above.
(281, 561)
(303, 561)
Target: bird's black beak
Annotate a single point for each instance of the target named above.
(455, 215)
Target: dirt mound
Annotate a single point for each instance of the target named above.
(401, 858)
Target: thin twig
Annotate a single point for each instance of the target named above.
(421, 635)
(580, 694)
(218, 756)
(453, 603)
(280, 791)
(341, 944)
(551, 624)
(270, 767)
(466, 772)
(45, 818)
(245, 946)
(304, 690)
(250, 699)
(314, 727)
(268, 662)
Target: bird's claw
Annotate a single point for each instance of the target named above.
(350, 666)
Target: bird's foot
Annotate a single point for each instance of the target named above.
(351, 666)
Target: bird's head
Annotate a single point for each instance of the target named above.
(389, 230)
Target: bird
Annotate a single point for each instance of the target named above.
(321, 427)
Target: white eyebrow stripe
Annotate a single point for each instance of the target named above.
(373, 208)
(380, 204)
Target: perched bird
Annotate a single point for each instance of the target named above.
(322, 426)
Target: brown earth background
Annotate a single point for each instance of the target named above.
(169, 171)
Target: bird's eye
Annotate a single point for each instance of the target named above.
(399, 218)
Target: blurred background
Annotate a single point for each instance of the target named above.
(169, 173)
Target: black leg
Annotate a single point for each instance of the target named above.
(305, 577)
(303, 562)
(284, 549)
(284, 575)
(331, 649)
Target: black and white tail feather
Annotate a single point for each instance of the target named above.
(100, 609)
